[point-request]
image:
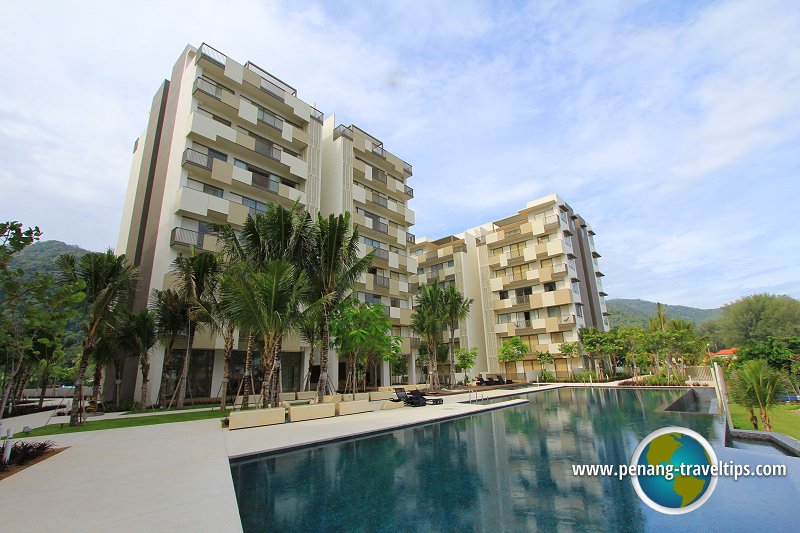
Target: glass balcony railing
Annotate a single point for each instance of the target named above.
(409, 191)
(270, 119)
(197, 158)
(380, 253)
(377, 225)
(550, 220)
(379, 151)
(186, 237)
(271, 84)
(212, 54)
(379, 175)
(342, 131)
(411, 238)
(522, 324)
(381, 281)
(407, 167)
(268, 149)
(379, 200)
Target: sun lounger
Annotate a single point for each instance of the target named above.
(429, 401)
(403, 396)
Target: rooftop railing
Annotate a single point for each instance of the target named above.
(270, 83)
(342, 131)
(317, 115)
(212, 54)
(379, 151)
(407, 167)
(411, 238)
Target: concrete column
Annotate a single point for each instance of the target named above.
(333, 367)
(386, 373)
(412, 370)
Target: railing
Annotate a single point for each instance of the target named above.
(317, 115)
(377, 225)
(186, 237)
(379, 175)
(197, 158)
(566, 319)
(407, 167)
(411, 238)
(459, 248)
(381, 281)
(208, 87)
(568, 243)
(271, 84)
(522, 324)
(516, 300)
(559, 268)
(264, 182)
(516, 277)
(270, 119)
(379, 200)
(512, 232)
(513, 254)
(212, 54)
(342, 131)
(409, 191)
(380, 253)
(268, 149)
(379, 151)
(550, 220)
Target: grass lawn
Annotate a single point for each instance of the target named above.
(188, 407)
(125, 422)
(785, 419)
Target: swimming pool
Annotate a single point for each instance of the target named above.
(503, 470)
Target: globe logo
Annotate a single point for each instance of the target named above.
(673, 473)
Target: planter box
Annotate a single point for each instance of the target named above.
(256, 417)
(351, 408)
(311, 412)
(381, 395)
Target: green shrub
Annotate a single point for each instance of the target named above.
(23, 452)
(545, 376)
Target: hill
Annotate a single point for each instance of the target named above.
(40, 257)
(622, 312)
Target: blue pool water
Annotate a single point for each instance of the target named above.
(503, 470)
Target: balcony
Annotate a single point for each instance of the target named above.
(411, 238)
(518, 300)
(212, 54)
(270, 119)
(379, 200)
(409, 191)
(514, 254)
(270, 84)
(380, 253)
(190, 238)
(559, 268)
(268, 149)
(568, 320)
(377, 225)
(380, 281)
(379, 175)
(523, 324)
(379, 151)
(210, 88)
(407, 167)
(196, 158)
(512, 232)
(342, 131)
(550, 221)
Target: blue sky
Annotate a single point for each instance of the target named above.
(672, 127)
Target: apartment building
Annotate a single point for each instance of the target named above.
(361, 177)
(447, 261)
(223, 140)
(534, 275)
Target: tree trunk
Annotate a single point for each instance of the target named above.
(322, 386)
(450, 354)
(45, 380)
(19, 388)
(248, 371)
(118, 381)
(98, 377)
(267, 367)
(162, 389)
(144, 361)
(226, 368)
(9, 385)
(765, 420)
(433, 373)
(185, 370)
(88, 348)
(307, 384)
(753, 419)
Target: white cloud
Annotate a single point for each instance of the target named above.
(672, 128)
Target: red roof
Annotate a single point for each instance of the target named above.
(727, 351)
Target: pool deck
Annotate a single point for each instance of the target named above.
(177, 477)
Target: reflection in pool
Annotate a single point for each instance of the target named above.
(504, 470)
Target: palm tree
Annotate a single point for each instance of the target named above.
(172, 316)
(333, 266)
(137, 336)
(267, 301)
(196, 279)
(109, 351)
(110, 286)
(309, 330)
(427, 321)
(756, 384)
(457, 307)
(276, 234)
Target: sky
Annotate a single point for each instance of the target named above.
(673, 127)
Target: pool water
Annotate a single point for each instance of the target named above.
(503, 470)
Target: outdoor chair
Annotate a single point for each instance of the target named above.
(480, 381)
(491, 381)
(413, 401)
(429, 401)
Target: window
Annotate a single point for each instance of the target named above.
(576, 288)
(554, 311)
(550, 286)
(372, 298)
(543, 239)
(395, 302)
(420, 271)
(579, 310)
(213, 191)
(504, 295)
(216, 154)
(451, 263)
